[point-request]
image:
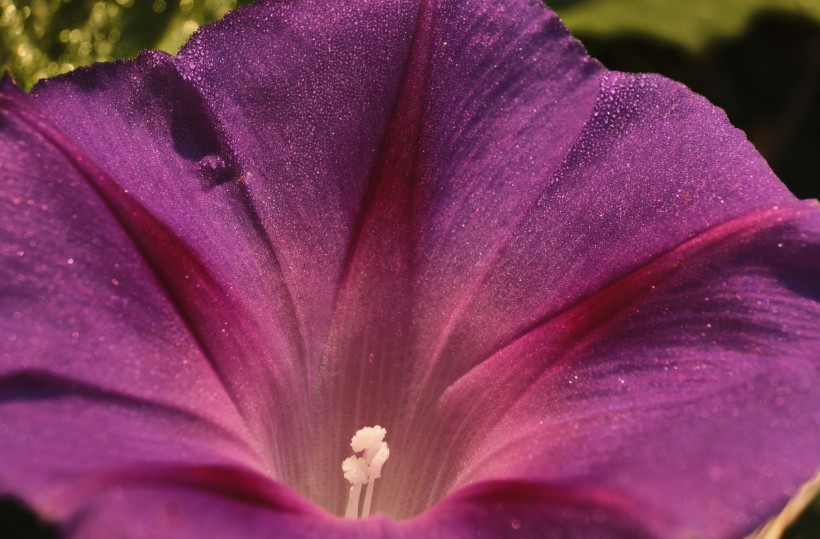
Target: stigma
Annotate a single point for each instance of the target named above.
(364, 469)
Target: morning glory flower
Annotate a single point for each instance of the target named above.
(564, 301)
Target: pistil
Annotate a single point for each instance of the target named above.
(366, 468)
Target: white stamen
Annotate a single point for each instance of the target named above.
(355, 470)
(352, 510)
(368, 497)
(366, 469)
(376, 459)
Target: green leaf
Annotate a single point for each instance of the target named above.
(43, 38)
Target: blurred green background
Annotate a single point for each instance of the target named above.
(757, 59)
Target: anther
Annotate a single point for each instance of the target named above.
(364, 469)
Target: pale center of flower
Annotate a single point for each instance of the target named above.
(364, 469)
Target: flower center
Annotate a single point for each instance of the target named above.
(364, 469)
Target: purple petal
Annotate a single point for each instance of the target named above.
(179, 196)
(615, 203)
(469, 87)
(431, 216)
(688, 387)
(521, 510)
(189, 502)
(194, 503)
(587, 230)
(309, 139)
(91, 351)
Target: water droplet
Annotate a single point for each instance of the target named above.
(516, 524)
(215, 170)
(211, 163)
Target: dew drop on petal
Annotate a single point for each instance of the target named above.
(211, 162)
(215, 170)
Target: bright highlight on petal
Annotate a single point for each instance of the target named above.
(366, 469)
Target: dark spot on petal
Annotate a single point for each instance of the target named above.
(194, 130)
